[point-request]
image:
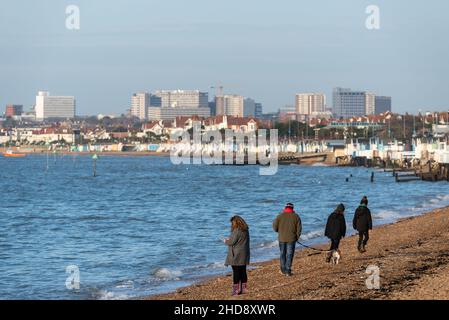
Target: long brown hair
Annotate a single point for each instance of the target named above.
(237, 222)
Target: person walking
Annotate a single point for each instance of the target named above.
(288, 226)
(238, 254)
(362, 222)
(335, 228)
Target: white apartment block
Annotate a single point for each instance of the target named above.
(370, 103)
(310, 103)
(183, 98)
(54, 106)
(139, 105)
(348, 103)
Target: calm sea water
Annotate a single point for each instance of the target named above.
(145, 226)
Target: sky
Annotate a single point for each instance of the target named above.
(266, 50)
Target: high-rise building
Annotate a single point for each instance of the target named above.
(249, 107)
(382, 104)
(13, 110)
(308, 104)
(220, 106)
(183, 98)
(259, 110)
(348, 103)
(54, 106)
(139, 105)
(370, 103)
(230, 105)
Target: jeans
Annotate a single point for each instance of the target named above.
(287, 253)
(363, 238)
(239, 274)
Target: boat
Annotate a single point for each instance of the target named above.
(11, 154)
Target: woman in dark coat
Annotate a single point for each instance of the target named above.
(336, 227)
(362, 222)
(238, 254)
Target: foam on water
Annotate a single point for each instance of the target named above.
(167, 274)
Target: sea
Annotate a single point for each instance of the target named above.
(145, 226)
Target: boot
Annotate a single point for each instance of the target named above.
(244, 288)
(362, 250)
(328, 256)
(236, 289)
(359, 248)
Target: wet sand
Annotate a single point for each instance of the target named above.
(412, 255)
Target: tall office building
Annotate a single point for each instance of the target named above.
(249, 107)
(382, 104)
(348, 103)
(54, 106)
(183, 98)
(310, 103)
(13, 110)
(259, 110)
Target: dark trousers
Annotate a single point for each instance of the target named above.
(334, 244)
(239, 274)
(363, 238)
(287, 254)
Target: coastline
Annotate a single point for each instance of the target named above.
(412, 255)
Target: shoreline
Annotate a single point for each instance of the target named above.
(412, 255)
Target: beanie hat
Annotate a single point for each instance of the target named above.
(341, 207)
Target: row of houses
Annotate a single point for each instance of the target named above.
(166, 127)
(162, 129)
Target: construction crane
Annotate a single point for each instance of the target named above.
(218, 90)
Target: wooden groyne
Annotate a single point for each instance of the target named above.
(402, 170)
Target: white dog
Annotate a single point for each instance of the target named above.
(334, 256)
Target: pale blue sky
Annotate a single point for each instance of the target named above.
(268, 50)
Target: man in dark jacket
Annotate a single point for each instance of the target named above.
(288, 226)
(362, 222)
(336, 227)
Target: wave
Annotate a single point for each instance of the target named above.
(167, 274)
(312, 235)
(268, 244)
(386, 215)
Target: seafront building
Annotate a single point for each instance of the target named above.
(49, 107)
(140, 102)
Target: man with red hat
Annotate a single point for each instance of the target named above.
(288, 226)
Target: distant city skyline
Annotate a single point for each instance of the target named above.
(256, 49)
